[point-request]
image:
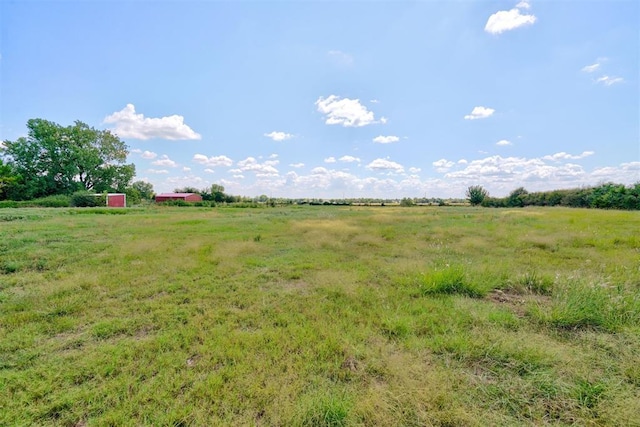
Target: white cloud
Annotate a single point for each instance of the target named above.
(157, 171)
(565, 156)
(480, 112)
(503, 142)
(344, 111)
(443, 165)
(297, 165)
(273, 156)
(462, 162)
(148, 155)
(165, 161)
(591, 68)
(278, 136)
(374, 101)
(212, 161)
(209, 170)
(330, 160)
(385, 165)
(349, 159)
(260, 169)
(414, 170)
(186, 169)
(506, 20)
(239, 176)
(128, 124)
(340, 58)
(608, 81)
(386, 139)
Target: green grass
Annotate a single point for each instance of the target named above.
(319, 316)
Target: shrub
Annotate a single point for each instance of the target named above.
(476, 194)
(407, 202)
(83, 199)
(8, 204)
(57, 201)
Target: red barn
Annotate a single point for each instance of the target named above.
(117, 200)
(186, 197)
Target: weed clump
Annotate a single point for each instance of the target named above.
(449, 281)
(580, 306)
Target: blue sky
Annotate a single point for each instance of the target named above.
(337, 99)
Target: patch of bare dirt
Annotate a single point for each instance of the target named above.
(515, 301)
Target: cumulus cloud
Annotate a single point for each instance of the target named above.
(212, 161)
(344, 111)
(186, 169)
(507, 20)
(128, 124)
(165, 161)
(278, 136)
(260, 169)
(443, 165)
(330, 160)
(208, 170)
(480, 112)
(148, 155)
(565, 156)
(297, 165)
(349, 159)
(158, 171)
(414, 170)
(386, 139)
(608, 81)
(385, 165)
(503, 142)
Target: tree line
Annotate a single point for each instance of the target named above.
(54, 160)
(604, 196)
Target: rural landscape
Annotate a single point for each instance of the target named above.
(319, 214)
(319, 315)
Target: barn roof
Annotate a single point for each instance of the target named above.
(174, 194)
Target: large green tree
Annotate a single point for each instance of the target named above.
(7, 179)
(53, 159)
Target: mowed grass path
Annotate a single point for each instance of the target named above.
(319, 316)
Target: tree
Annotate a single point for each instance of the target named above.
(517, 197)
(144, 189)
(476, 194)
(407, 202)
(53, 159)
(187, 190)
(7, 179)
(217, 193)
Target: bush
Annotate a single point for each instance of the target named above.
(57, 201)
(83, 199)
(476, 194)
(8, 204)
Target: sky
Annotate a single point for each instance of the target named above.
(328, 99)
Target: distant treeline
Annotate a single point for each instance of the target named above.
(604, 196)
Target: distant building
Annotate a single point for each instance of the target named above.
(185, 197)
(117, 200)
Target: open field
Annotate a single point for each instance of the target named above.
(319, 316)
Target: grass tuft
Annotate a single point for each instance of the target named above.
(449, 281)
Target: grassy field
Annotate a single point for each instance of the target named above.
(319, 316)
